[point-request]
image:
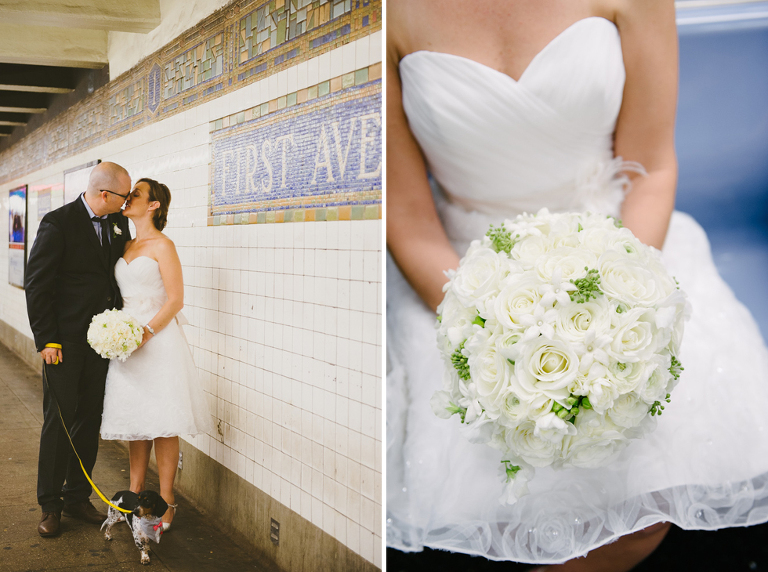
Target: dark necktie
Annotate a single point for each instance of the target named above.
(104, 235)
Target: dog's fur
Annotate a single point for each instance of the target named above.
(145, 505)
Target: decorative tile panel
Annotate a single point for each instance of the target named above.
(241, 43)
(195, 66)
(126, 103)
(326, 152)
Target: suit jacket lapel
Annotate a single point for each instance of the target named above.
(117, 242)
(86, 226)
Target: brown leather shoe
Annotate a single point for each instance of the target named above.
(84, 511)
(49, 524)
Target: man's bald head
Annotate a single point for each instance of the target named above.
(108, 176)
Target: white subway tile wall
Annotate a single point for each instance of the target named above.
(286, 319)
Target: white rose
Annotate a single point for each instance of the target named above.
(490, 371)
(632, 281)
(597, 442)
(528, 250)
(547, 367)
(532, 449)
(456, 322)
(513, 410)
(571, 262)
(517, 298)
(478, 276)
(634, 335)
(624, 241)
(508, 343)
(628, 376)
(628, 410)
(574, 320)
(655, 388)
(595, 238)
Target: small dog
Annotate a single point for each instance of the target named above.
(145, 520)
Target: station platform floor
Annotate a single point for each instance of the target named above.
(197, 541)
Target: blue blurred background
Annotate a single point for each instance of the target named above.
(722, 139)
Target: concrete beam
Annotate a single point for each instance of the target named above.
(65, 47)
(12, 123)
(11, 109)
(34, 88)
(139, 16)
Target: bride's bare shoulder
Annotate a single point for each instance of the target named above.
(640, 12)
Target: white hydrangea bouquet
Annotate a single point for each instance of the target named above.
(560, 334)
(113, 334)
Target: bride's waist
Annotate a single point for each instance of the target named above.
(600, 189)
(143, 304)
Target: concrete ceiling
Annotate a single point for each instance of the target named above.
(54, 52)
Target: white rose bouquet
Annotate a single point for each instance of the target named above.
(560, 334)
(113, 334)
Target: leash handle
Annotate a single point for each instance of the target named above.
(64, 425)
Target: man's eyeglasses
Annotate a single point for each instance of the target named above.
(124, 197)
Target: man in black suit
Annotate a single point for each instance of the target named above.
(70, 278)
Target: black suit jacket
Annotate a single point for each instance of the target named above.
(68, 279)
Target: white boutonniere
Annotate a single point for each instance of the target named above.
(116, 229)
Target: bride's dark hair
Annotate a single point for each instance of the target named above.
(160, 193)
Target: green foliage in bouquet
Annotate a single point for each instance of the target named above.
(676, 368)
(461, 362)
(501, 238)
(588, 287)
(657, 408)
(510, 469)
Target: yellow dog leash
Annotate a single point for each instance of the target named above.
(56, 401)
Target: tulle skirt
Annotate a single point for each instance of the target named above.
(704, 467)
(156, 392)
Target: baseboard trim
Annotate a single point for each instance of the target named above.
(247, 511)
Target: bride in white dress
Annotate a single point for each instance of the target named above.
(511, 107)
(155, 395)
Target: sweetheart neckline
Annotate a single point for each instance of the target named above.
(530, 64)
(135, 259)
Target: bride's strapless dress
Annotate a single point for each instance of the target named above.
(496, 147)
(156, 391)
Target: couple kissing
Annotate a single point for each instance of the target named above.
(83, 262)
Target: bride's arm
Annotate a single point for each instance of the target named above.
(170, 271)
(415, 236)
(645, 128)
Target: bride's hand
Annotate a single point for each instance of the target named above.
(147, 336)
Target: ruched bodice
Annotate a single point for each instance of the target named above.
(492, 142)
(141, 286)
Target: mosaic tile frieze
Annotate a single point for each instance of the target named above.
(126, 102)
(325, 152)
(241, 43)
(275, 23)
(195, 66)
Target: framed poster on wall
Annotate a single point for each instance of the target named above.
(17, 236)
(76, 180)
